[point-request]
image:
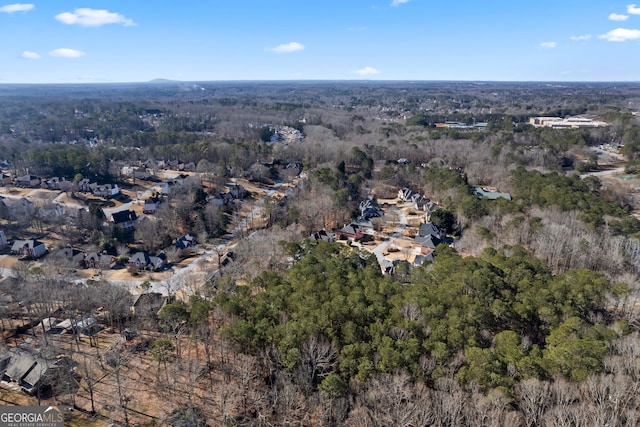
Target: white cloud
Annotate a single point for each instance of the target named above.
(367, 71)
(287, 48)
(621, 35)
(580, 38)
(66, 53)
(86, 17)
(396, 3)
(618, 17)
(30, 55)
(633, 10)
(548, 45)
(17, 7)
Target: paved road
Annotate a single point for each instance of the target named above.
(378, 250)
(178, 279)
(616, 171)
(30, 196)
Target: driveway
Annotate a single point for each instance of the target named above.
(402, 224)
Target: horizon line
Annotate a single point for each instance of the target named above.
(160, 81)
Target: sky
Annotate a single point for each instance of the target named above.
(99, 41)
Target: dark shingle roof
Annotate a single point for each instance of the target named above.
(124, 216)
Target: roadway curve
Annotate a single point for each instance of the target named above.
(176, 280)
(378, 250)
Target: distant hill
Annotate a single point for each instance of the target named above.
(163, 81)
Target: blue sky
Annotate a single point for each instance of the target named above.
(60, 41)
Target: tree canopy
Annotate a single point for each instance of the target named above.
(491, 320)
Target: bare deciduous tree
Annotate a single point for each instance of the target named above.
(533, 398)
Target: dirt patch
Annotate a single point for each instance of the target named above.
(15, 191)
(47, 195)
(123, 274)
(64, 198)
(8, 261)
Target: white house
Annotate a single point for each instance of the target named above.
(30, 247)
(106, 190)
(27, 181)
(151, 205)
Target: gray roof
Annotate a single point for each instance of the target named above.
(124, 216)
(19, 365)
(25, 368)
(427, 241)
(185, 241)
(39, 370)
(350, 229)
(141, 257)
(86, 323)
(421, 259)
(30, 243)
(321, 235)
(430, 229)
(65, 324)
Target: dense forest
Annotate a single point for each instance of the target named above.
(526, 316)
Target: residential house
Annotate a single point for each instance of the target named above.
(429, 236)
(426, 244)
(52, 183)
(237, 191)
(321, 235)
(47, 324)
(352, 232)
(163, 188)
(71, 255)
(172, 164)
(106, 190)
(32, 373)
(151, 205)
(136, 172)
(404, 194)
(149, 304)
(186, 241)
(63, 327)
(85, 186)
(87, 326)
(369, 209)
(5, 179)
(27, 181)
(430, 229)
(144, 261)
(424, 204)
(102, 261)
(3, 240)
(28, 248)
(125, 218)
(386, 265)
